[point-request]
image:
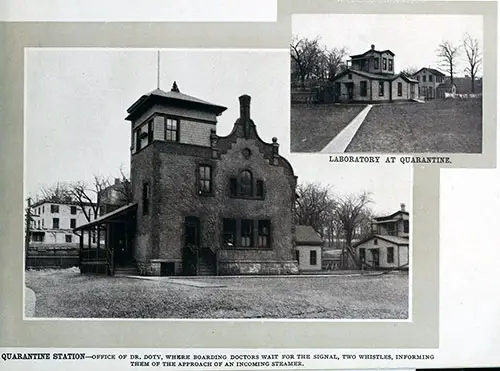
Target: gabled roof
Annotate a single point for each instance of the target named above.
(372, 50)
(431, 70)
(392, 239)
(306, 235)
(445, 85)
(368, 75)
(375, 76)
(388, 217)
(173, 97)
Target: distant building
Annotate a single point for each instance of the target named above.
(428, 81)
(203, 204)
(53, 222)
(115, 196)
(388, 246)
(370, 77)
(446, 87)
(308, 248)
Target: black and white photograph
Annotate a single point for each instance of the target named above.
(159, 184)
(386, 83)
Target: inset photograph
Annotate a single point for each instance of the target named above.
(156, 187)
(386, 83)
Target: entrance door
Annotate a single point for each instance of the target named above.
(412, 91)
(375, 257)
(191, 245)
(350, 91)
(121, 245)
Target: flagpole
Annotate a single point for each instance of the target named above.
(158, 70)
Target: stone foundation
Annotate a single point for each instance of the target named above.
(154, 267)
(250, 268)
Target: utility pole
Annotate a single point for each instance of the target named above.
(28, 229)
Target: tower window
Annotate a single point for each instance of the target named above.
(384, 61)
(145, 198)
(172, 130)
(205, 179)
(390, 64)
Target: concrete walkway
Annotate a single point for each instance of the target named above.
(179, 281)
(342, 140)
(29, 302)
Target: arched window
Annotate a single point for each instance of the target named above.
(246, 182)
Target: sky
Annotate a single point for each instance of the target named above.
(412, 38)
(76, 102)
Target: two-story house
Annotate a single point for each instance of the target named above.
(53, 222)
(428, 81)
(203, 204)
(371, 77)
(388, 246)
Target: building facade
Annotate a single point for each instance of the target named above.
(203, 204)
(308, 248)
(388, 246)
(428, 81)
(370, 77)
(53, 222)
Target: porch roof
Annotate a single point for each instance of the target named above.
(113, 215)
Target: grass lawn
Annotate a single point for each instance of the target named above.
(313, 126)
(446, 126)
(66, 293)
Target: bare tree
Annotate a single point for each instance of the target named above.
(409, 71)
(58, 192)
(448, 55)
(125, 189)
(351, 211)
(305, 54)
(329, 63)
(314, 207)
(86, 195)
(474, 57)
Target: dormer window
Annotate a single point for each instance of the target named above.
(376, 63)
(171, 130)
(384, 63)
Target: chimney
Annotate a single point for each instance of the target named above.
(175, 88)
(245, 113)
(117, 181)
(403, 207)
(373, 46)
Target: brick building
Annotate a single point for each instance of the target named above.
(203, 204)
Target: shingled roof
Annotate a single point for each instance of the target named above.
(306, 235)
(174, 97)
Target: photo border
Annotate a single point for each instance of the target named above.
(422, 332)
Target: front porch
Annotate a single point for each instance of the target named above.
(107, 243)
